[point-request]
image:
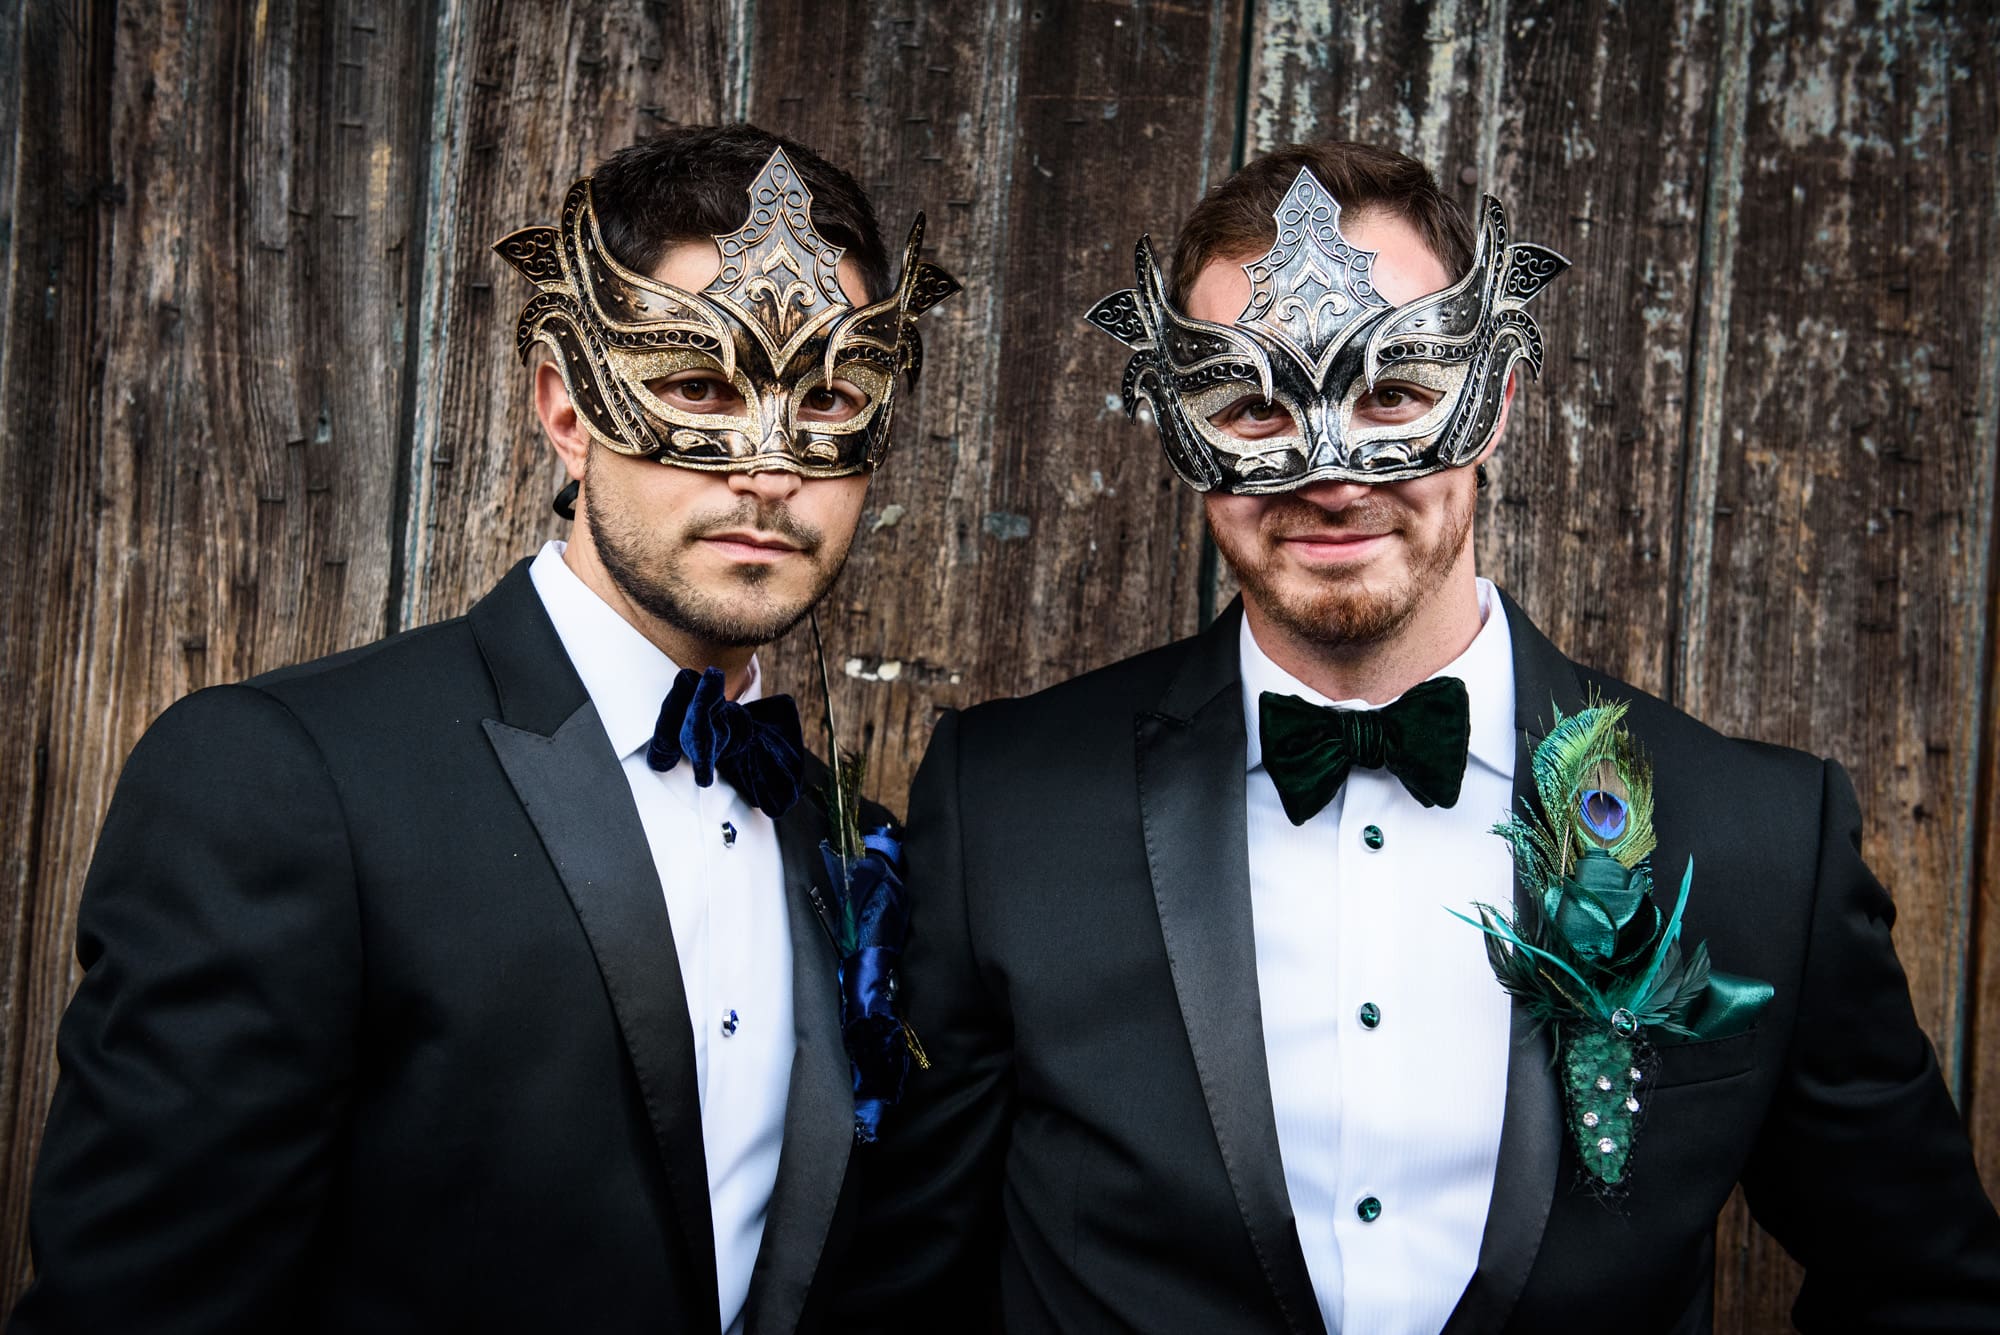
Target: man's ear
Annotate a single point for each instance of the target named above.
(1500, 427)
(564, 428)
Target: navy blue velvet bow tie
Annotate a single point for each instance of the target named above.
(757, 748)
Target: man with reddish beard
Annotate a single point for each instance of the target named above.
(1211, 1051)
(440, 985)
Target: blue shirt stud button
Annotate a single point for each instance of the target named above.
(1371, 835)
(728, 1023)
(1368, 1209)
(1370, 1014)
(728, 835)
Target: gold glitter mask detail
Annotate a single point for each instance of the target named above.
(774, 324)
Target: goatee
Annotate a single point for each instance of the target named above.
(1338, 609)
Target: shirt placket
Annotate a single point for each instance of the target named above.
(1372, 1060)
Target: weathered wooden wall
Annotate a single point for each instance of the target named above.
(257, 403)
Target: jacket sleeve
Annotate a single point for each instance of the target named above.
(1862, 1170)
(208, 1052)
(926, 1253)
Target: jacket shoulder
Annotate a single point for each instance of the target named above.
(1669, 731)
(1101, 697)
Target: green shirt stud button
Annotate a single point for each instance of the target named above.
(1369, 1209)
(1371, 1015)
(1371, 835)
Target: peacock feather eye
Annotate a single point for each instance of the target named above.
(1603, 813)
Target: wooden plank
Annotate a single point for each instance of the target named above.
(530, 98)
(39, 404)
(10, 111)
(1027, 531)
(200, 401)
(1836, 566)
(920, 105)
(1974, 102)
(1846, 545)
(1980, 1097)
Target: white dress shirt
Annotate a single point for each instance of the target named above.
(1399, 1120)
(723, 876)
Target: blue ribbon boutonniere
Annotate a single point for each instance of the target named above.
(868, 921)
(865, 916)
(1589, 952)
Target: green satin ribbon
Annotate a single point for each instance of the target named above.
(1421, 738)
(1600, 900)
(1729, 1005)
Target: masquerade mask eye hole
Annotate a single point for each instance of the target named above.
(698, 392)
(1251, 418)
(1393, 402)
(840, 401)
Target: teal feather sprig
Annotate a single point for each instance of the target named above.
(1586, 950)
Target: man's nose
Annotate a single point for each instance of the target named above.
(1333, 496)
(767, 484)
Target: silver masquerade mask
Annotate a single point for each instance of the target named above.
(1374, 392)
(774, 325)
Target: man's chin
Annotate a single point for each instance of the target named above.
(740, 623)
(1337, 609)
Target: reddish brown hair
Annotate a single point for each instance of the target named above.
(1235, 218)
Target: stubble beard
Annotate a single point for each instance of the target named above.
(647, 568)
(1339, 610)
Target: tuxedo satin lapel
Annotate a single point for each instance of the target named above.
(1191, 800)
(819, 1112)
(573, 790)
(1524, 1180)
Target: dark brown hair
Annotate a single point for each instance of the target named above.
(1235, 218)
(690, 183)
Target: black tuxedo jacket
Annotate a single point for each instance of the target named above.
(1094, 1147)
(382, 1028)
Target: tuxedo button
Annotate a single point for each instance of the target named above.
(1368, 1209)
(728, 835)
(1371, 835)
(728, 1023)
(1370, 1015)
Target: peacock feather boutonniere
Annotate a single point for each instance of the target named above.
(1589, 951)
(866, 917)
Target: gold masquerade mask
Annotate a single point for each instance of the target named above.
(813, 376)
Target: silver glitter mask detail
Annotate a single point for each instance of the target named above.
(1315, 339)
(774, 324)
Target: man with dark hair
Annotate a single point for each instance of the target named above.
(1242, 1017)
(438, 985)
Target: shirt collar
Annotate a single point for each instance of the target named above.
(1486, 667)
(626, 674)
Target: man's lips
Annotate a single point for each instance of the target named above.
(1334, 544)
(750, 545)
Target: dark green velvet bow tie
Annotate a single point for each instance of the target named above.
(1421, 739)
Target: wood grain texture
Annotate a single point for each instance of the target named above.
(528, 98)
(924, 112)
(1845, 585)
(204, 356)
(1837, 565)
(1036, 532)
